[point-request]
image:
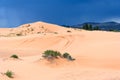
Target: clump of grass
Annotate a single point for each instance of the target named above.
(14, 56)
(9, 74)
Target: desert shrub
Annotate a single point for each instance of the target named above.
(9, 74)
(14, 56)
(38, 32)
(19, 34)
(32, 29)
(68, 31)
(42, 27)
(68, 56)
(55, 32)
(65, 55)
(51, 53)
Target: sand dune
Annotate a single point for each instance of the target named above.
(32, 28)
(97, 53)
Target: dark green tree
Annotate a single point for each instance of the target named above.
(90, 27)
(87, 27)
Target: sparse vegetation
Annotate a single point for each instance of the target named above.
(38, 32)
(14, 56)
(68, 31)
(65, 55)
(9, 74)
(51, 54)
(19, 34)
(32, 29)
(68, 56)
(55, 32)
(42, 27)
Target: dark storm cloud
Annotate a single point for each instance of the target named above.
(16, 12)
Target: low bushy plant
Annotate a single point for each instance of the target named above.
(68, 56)
(68, 31)
(14, 56)
(51, 53)
(65, 55)
(55, 32)
(19, 34)
(9, 74)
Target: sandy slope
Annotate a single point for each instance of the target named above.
(97, 53)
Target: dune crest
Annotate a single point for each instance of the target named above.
(32, 28)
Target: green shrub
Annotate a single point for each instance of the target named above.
(9, 74)
(65, 55)
(14, 56)
(68, 56)
(51, 53)
(87, 27)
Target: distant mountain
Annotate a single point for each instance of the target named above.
(103, 26)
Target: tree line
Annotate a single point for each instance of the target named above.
(90, 27)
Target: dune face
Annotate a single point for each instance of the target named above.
(97, 53)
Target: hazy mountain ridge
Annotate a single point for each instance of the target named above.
(103, 26)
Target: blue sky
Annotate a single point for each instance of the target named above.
(16, 12)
